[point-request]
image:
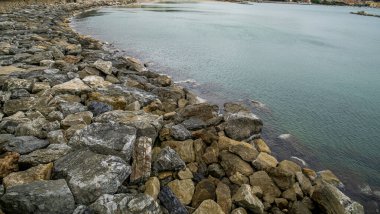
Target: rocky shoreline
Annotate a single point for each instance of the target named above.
(85, 129)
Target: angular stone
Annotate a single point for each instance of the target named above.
(26, 104)
(106, 138)
(15, 83)
(262, 180)
(43, 156)
(40, 86)
(56, 137)
(96, 82)
(171, 202)
(40, 172)
(98, 108)
(103, 174)
(239, 179)
(104, 66)
(304, 182)
(262, 146)
(329, 177)
(216, 170)
(283, 178)
(232, 164)
(168, 160)
(71, 108)
(299, 208)
(203, 111)
(245, 150)
(83, 117)
(204, 190)
(73, 129)
(209, 207)
(36, 127)
(152, 187)
(185, 174)
(8, 163)
(239, 210)
(290, 166)
(88, 71)
(223, 197)
(179, 132)
(242, 125)
(74, 86)
(244, 197)
(211, 154)
(264, 161)
(25, 144)
(142, 159)
(183, 190)
(134, 64)
(51, 196)
(73, 49)
(184, 149)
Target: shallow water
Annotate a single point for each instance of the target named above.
(315, 68)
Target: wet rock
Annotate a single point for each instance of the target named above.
(171, 202)
(329, 177)
(43, 156)
(204, 190)
(244, 197)
(262, 180)
(142, 159)
(331, 200)
(179, 132)
(40, 172)
(39, 197)
(103, 174)
(104, 66)
(264, 161)
(74, 86)
(262, 146)
(232, 164)
(223, 197)
(152, 187)
(184, 149)
(210, 207)
(168, 160)
(134, 64)
(25, 144)
(235, 107)
(162, 80)
(311, 174)
(98, 108)
(83, 117)
(106, 138)
(183, 190)
(125, 203)
(8, 163)
(242, 125)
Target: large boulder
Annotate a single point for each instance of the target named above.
(25, 144)
(242, 125)
(106, 138)
(40, 172)
(91, 175)
(51, 196)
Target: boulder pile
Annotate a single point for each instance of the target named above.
(85, 129)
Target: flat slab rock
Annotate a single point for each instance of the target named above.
(90, 175)
(106, 138)
(51, 196)
(25, 144)
(43, 156)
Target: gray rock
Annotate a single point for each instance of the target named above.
(168, 160)
(245, 198)
(43, 156)
(98, 108)
(19, 93)
(71, 108)
(81, 209)
(38, 57)
(179, 132)
(15, 83)
(52, 196)
(125, 204)
(56, 136)
(103, 66)
(194, 123)
(106, 138)
(91, 175)
(36, 127)
(25, 144)
(171, 202)
(242, 125)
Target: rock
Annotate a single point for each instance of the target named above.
(56, 137)
(185, 174)
(96, 82)
(245, 150)
(134, 64)
(106, 138)
(170, 202)
(98, 108)
(125, 203)
(152, 187)
(38, 57)
(281, 203)
(262, 146)
(202, 111)
(73, 49)
(239, 210)
(209, 207)
(142, 159)
(204, 190)
(5, 70)
(88, 71)
(104, 66)
(83, 117)
(168, 160)
(264, 161)
(74, 86)
(289, 166)
(331, 200)
(194, 123)
(55, 115)
(73, 129)
(51, 196)
(147, 125)
(304, 182)
(103, 174)
(216, 170)
(311, 174)
(223, 197)
(330, 178)
(40, 172)
(15, 83)
(239, 179)
(299, 208)
(8, 163)
(284, 179)
(183, 190)
(211, 154)
(82, 209)
(242, 125)
(232, 164)
(40, 86)
(179, 132)
(289, 194)
(184, 149)
(44, 156)
(19, 93)
(25, 144)
(262, 180)
(244, 197)
(162, 80)
(36, 127)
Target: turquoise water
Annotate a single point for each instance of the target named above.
(316, 69)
